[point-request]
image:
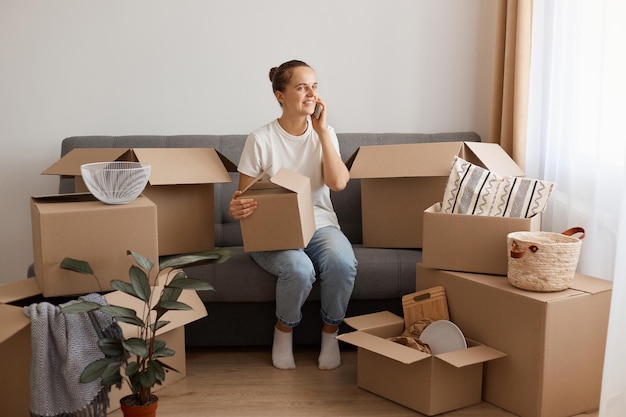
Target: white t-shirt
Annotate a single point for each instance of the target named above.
(270, 147)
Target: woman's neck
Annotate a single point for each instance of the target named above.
(294, 126)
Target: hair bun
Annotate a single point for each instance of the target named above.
(273, 72)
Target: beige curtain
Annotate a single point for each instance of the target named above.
(509, 111)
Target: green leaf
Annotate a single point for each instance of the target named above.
(148, 378)
(171, 294)
(215, 256)
(110, 346)
(141, 260)
(189, 284)
(179, 275)
(174, 305)
(111, 374)
(80, 307)
(132, 368)
(124, 287)
(135, 321)
(163, 353)
(136, 346)
(114, 379)
(95, 369)
(123, 314)
(159, 343)
(140, 283)
(76, 265)
(166, 366)
(159, 324)
(118, 311)
(159, 372)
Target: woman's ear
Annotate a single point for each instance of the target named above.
(280, 97)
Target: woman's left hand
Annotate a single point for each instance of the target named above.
(320, 124)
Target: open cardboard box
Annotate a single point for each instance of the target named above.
(554, 341)
(399, 182)
(284, 216)
(181, 184)
(429, 384)
(81, 227)
(470, 243)
(15, 340)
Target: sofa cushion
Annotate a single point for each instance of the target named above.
(382, 274)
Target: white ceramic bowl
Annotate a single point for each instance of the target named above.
(117, 182)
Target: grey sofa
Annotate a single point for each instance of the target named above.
(241, 309)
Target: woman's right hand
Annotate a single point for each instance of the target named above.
(240, 208)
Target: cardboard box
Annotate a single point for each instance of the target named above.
(81, 227)
(399, 182)
(470, 243)
(15, 342)
(429, 384)
(181, 185)
(554, 341)
(15, 348)
(284, 216)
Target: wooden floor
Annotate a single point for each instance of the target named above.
(243, 383)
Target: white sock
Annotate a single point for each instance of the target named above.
(282, 350)
(330, 357)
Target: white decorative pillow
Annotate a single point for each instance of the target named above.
(475, 190)
(521, 197)
(470, 189)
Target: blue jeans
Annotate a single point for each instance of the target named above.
(330, 254)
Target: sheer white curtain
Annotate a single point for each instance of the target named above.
(577, 138)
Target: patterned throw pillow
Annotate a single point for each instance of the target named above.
(474, 190)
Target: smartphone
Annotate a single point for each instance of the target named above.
(318, 110)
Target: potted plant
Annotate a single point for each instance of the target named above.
(136, 360)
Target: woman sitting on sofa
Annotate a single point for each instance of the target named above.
(305, 144)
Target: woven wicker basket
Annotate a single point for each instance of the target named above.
(544, 261)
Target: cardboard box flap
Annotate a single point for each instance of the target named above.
(261, 181)
(371, 321)
(475, 353)
(172, 166)
(64, 198)
(435, 208)
(590, 285)
(228, 164)
(19, 290)
(502, 283)
(492, 157)
(407, 160)
(284, 178)
(177, 318)
(291, 180)
(384, 347)
(13, 321)
(70, 163)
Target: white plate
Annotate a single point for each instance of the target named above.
(443, 336)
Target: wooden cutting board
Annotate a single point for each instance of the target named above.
(430, 303)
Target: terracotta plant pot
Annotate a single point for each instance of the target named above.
(131, 410)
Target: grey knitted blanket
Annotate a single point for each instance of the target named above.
(62, 345)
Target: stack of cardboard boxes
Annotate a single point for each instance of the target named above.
(551, 345)
(173, 215)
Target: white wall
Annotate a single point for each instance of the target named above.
(76, 67)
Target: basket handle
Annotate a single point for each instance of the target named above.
(516, 252)
(573, 231)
